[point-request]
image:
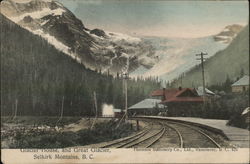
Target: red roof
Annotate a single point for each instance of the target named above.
(158, 92)
(183, 99)
(178, 95)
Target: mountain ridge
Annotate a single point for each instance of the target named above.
(53, 21)
(229, 33)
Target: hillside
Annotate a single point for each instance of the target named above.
(36, 79)
(229, 62)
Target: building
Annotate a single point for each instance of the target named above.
(179, 102)
(209, 93)
(177, 95)
(241, 85)
(118, 113)
(146, 107)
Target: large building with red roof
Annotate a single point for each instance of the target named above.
(179, 101)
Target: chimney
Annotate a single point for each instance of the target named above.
(180, 88)
(163, 95)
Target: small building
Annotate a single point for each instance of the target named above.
(118, 113)
(241, 85)
(209, 93)
(146, 107)
(181, 101)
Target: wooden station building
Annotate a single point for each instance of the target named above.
(179, 101)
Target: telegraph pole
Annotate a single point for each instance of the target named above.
(126, 95)
(125, 92)
(203, 74)
(96, 114)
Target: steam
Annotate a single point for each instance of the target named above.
(107, 110)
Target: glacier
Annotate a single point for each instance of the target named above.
(177, 55)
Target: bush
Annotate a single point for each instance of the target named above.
(237, 120)
(101, 132)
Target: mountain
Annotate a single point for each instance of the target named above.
(37, 78)
(95, 49)
(228, 34)
(112, 52)
(228, 63)
(177, 55)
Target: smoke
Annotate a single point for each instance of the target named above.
(107, 110)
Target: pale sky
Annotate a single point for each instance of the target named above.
(159, 17)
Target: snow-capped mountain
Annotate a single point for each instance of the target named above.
(95, 49)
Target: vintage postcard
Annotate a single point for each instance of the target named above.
(124, 81)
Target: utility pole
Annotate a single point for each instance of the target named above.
(125, 91)
(203, 74)
(126, 94)
(96, 114)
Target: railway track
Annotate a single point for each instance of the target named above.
(149, 140)
(161, 134)
(192, 137)
(145, 138)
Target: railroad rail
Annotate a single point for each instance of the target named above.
(184, 136)
(145, 138)
(178, 133)
(118, 143)
(149, 140)
(181, 132)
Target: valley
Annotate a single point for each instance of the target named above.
(67, 81)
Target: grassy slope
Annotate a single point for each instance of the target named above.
(229, 62)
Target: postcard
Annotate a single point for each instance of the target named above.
(124, 81)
